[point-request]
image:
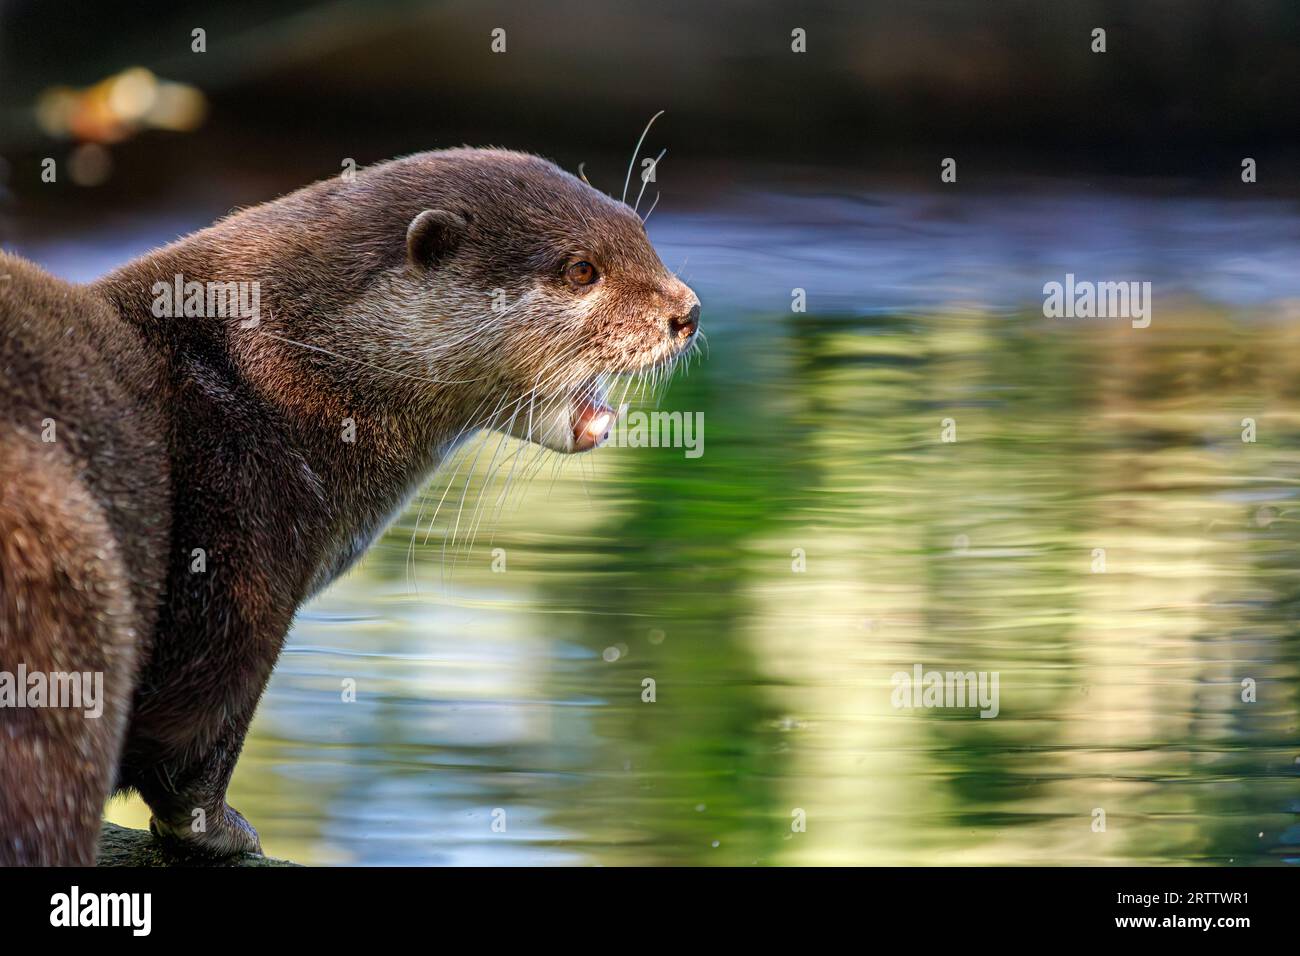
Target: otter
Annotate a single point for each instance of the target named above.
(175, 483)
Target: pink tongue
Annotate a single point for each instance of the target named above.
(591, 423)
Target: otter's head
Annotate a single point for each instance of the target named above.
(534, 291)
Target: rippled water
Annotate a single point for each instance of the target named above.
(1099, 535)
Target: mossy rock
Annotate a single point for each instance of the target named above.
(119, 846)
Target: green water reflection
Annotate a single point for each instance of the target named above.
(1120, 689)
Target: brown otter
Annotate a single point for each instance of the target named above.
(173, 486)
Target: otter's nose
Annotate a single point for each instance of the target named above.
(684, 326)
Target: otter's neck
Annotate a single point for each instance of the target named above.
(367, 438)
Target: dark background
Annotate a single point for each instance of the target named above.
(885, 90)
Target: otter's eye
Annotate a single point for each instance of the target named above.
(581, 273)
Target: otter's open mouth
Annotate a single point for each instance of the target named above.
(591, 419)
(574, 420)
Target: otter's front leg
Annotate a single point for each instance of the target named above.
(191, 717)
(248, 526)
(189, 802)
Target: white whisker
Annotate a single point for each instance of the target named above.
(635, 150)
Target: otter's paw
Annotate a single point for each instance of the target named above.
(220, 835)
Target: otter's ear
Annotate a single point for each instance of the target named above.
(432, 236)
